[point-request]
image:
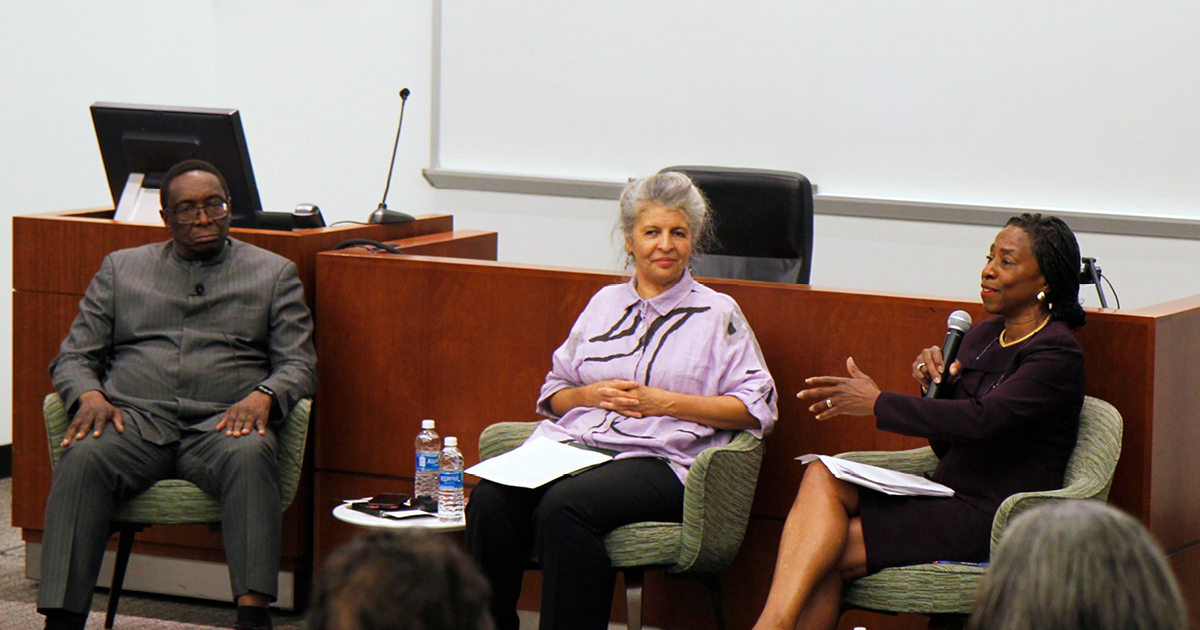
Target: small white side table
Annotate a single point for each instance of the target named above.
(354, 517)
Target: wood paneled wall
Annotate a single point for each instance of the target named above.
(469, 343)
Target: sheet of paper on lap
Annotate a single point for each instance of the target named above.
(536, 463)
(880, 479)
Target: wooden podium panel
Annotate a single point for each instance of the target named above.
(56, 255)
(59, 252)
(399, 347)
(469, 343)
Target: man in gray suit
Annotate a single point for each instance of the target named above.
(182, 356)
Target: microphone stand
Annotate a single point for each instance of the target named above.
(382, 214)
(1091, 275)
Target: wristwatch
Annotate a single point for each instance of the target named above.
(266, 390)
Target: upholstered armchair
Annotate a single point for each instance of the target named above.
(716, 508)
(175, 501)
(941, 590)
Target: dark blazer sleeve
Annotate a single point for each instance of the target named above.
(292, 357)
(83, 356)
(1046, 376)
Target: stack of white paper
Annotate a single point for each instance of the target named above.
(536, 463)
(881, 479)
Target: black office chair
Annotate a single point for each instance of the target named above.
(763, 222)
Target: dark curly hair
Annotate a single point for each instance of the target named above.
(1057, 254)
(400, 580)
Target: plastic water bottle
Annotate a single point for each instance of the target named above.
(429, 448)
(450, 482)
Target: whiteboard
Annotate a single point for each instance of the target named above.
(1090, 107)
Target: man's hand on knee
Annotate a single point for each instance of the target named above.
(248, 414)
(94, 412)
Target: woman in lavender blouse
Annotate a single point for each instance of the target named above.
(657, 369)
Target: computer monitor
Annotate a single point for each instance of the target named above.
(139, 143)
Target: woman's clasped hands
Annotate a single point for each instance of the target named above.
(629, 398)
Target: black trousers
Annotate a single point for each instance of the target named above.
(565, 522)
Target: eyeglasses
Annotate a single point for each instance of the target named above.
(190, 213)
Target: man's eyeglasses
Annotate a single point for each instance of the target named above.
(190, 213)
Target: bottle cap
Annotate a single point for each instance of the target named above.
(427, 424)
(450, 440)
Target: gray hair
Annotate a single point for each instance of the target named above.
(671, 190)
(1078, 565)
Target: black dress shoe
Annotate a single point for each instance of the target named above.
(253, 618)
(59, 619)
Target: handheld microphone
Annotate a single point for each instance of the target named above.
(382, 214)
(956, 326)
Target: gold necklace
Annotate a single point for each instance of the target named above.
(1005, 344)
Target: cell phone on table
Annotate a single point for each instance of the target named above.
(388, 501)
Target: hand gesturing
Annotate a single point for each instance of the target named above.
(840, 395)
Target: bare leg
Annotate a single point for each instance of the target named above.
(821, 545)
(824, 605)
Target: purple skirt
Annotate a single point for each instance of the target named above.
(900, 531)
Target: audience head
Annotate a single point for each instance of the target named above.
(195, 208)
(1057, 254)
(1078, 565)
(400, 580)
(664, 219)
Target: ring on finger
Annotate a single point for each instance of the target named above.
(829, 403)
(920, 365)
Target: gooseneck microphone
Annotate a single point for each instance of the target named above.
(382, 214)
(956, 326)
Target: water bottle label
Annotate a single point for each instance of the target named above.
(427, 462)
(452, 480)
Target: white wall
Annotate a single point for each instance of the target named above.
(1023, 103)
(316, 84)
(59, 58)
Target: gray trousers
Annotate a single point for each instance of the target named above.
(95, 474)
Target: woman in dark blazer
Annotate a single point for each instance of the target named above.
(1008, 425)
